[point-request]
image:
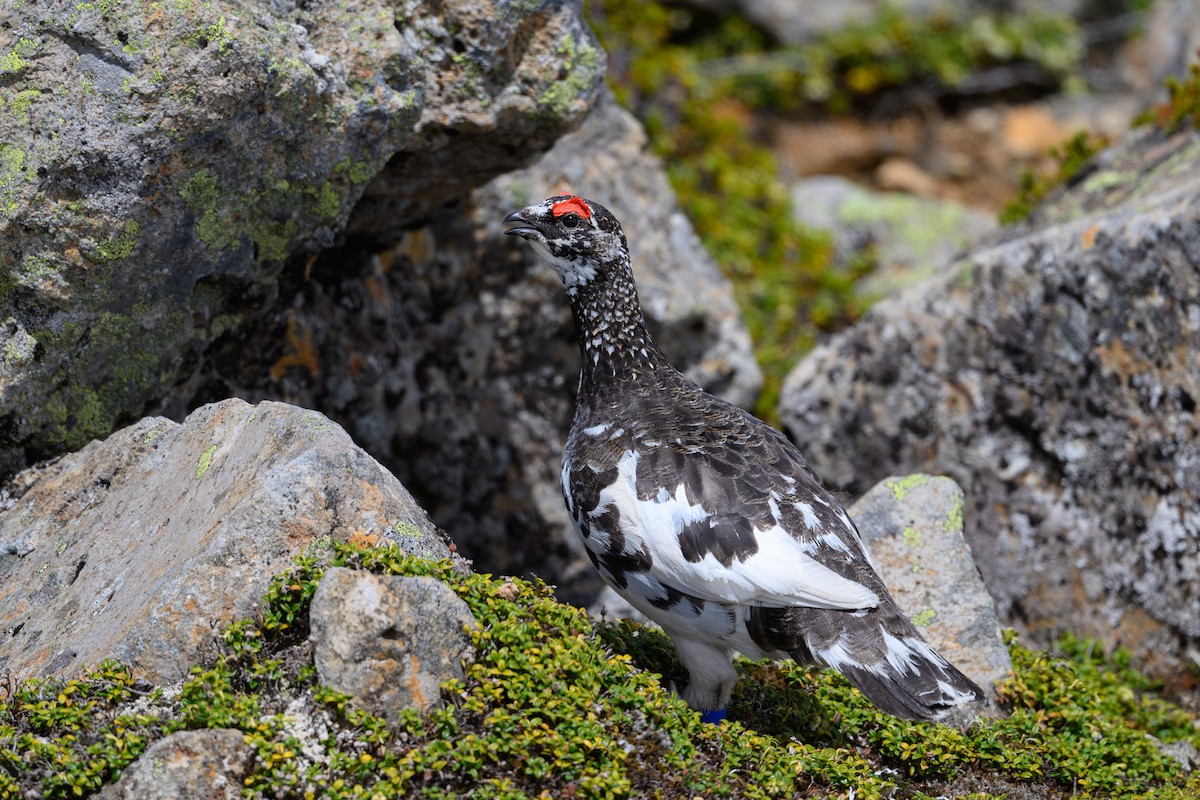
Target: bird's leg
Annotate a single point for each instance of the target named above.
(711, 675)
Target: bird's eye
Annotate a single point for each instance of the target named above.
(570, 220)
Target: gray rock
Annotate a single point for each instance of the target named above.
(1167, 44)
(1054, 375)
(196, 146)
(143, 546)
(913, 527)
(389, 641)
(912, 238)
(452, 359)
(188, 765)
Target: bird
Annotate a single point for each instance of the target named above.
(704, 518)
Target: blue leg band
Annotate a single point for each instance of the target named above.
(713, 717)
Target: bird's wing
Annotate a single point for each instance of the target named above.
(743, 522)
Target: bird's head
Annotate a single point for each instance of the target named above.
(581, 239)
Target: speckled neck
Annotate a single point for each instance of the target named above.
(613, 340)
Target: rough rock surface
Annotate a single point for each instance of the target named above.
(191, 765)
(1055, 375)
(911, 238)
(389, 641)
(159, 162)
(141, 547)
(913, 526)
(452, 359)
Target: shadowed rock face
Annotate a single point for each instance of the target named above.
(165, 160)
(1054, 373)
(144, 546)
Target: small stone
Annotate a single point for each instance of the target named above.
(902, 175)
(913, 528)
(196, 765)
(389, 641)
(1031, 131)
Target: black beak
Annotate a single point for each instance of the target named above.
(528, 230)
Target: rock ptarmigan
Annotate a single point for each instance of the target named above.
(706, 519)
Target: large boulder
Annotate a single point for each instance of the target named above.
(1054, 373)
(143, 546)
(160, 162)
(452, 358)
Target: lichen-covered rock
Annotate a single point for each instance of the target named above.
(452, 359)
(1054, 374)
(913, 527)
(188, 765)
(160, 161)
(910, 238)
(389, 641)
(143, 546)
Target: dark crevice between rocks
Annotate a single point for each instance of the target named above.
(78, 569)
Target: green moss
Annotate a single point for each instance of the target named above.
(118, 247)
(77, 415)
(358, 172)
(581, 62)
(216, 34)
(219, 225)
(911, 536)
(202, 195)
(900, 487)
(923, 618)
(329, 202)
(22, 103)
(121, 355)
(12, 175)
(954, 517)
(205, 461)
(14, 61)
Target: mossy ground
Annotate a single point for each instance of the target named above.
(555, 706)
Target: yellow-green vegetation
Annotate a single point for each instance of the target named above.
(899, 50)
(580, 63)
(1181, 108)
(693, 80)
(15, 60)
(119, 246)
(1069, 159)
(205, 461)
(12, 164)
(222, 221)
(554, 706)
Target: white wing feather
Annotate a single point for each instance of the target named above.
(780, 573)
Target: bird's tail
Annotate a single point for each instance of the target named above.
(880, 652)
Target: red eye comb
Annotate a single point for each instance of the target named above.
(571, 204)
